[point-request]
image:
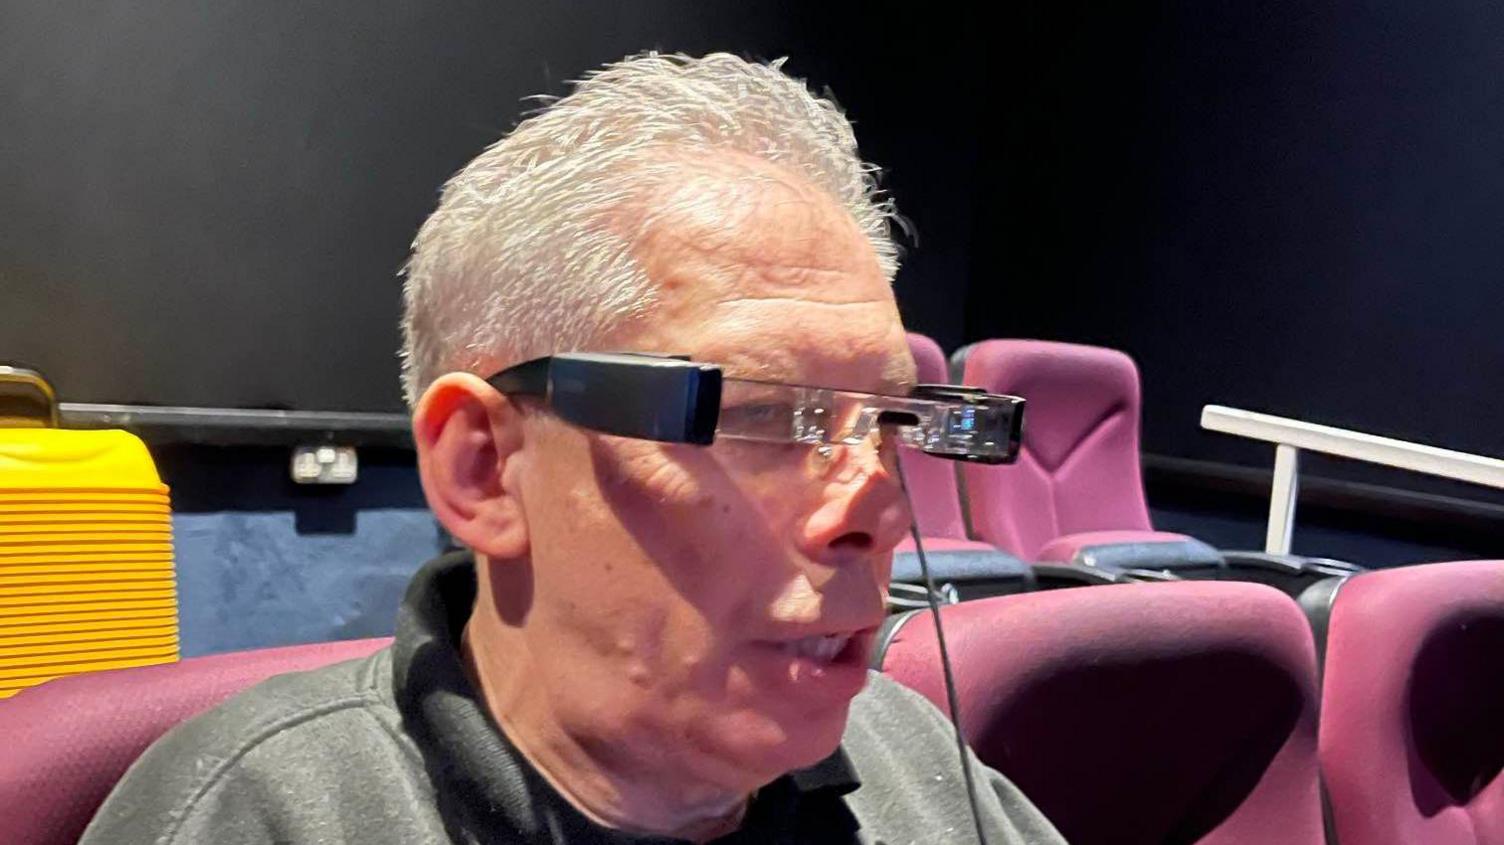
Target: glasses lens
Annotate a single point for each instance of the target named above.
(967, 428)
(759, 412)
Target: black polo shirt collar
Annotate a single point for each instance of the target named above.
(487, 791)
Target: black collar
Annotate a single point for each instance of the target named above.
(486, 789)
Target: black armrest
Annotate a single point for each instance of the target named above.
(1292, 574)
(1184, 558)
(1056, 576)
(961, 575)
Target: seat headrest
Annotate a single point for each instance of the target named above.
(1411, 741)
(68, 741)
(1071, 389)
(1138, 713)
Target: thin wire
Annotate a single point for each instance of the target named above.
(950, 679)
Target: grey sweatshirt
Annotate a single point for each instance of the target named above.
(397, 748)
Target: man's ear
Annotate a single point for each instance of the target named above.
(468, 437)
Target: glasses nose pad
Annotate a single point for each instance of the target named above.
(846, 461)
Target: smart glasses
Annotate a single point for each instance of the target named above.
(674, 400)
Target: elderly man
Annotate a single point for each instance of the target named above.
(649, 642)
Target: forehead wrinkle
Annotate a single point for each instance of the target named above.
(864, 364)
(733, 216)
(765, 276)
(739, 254)
(735, 301)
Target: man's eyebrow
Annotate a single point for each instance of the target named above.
(899, 378)
(896, 387)
(754, 370)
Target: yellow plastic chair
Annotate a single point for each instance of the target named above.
(86, 566)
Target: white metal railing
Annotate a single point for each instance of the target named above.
(1292, 436)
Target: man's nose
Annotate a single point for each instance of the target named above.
(861, 510)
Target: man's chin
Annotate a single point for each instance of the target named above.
(815, 741)
(784, 716)
(776, 740)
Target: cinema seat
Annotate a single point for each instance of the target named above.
(68, 741)
(932, 481)
(975, 567)
(1076, 494)
(963, 568)
(1146, 713)
(1412, 723)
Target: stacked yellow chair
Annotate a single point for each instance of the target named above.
(86, 566)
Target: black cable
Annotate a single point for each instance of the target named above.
(950, 679)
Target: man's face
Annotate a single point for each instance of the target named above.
(712, 608)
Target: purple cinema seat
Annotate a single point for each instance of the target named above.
(1148, 713)
(932, 481)
(1076, 493)
(936, 499)
(68, 741)
(1412, 723)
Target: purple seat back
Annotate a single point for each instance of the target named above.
(68, 741)
(1138, 713)
(1412, 725)
(932, 481)
(1078, 469)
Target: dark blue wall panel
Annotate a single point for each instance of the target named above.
(249, 579)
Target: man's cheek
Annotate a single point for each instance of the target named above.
(696, 518)
(650, 472)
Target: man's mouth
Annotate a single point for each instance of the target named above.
(821, 649)
(817, 670)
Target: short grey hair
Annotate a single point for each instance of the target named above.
(520, 259)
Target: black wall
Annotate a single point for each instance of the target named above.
(1290, 207)
(207, 204)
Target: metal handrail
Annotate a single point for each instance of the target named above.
(1290, 436)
